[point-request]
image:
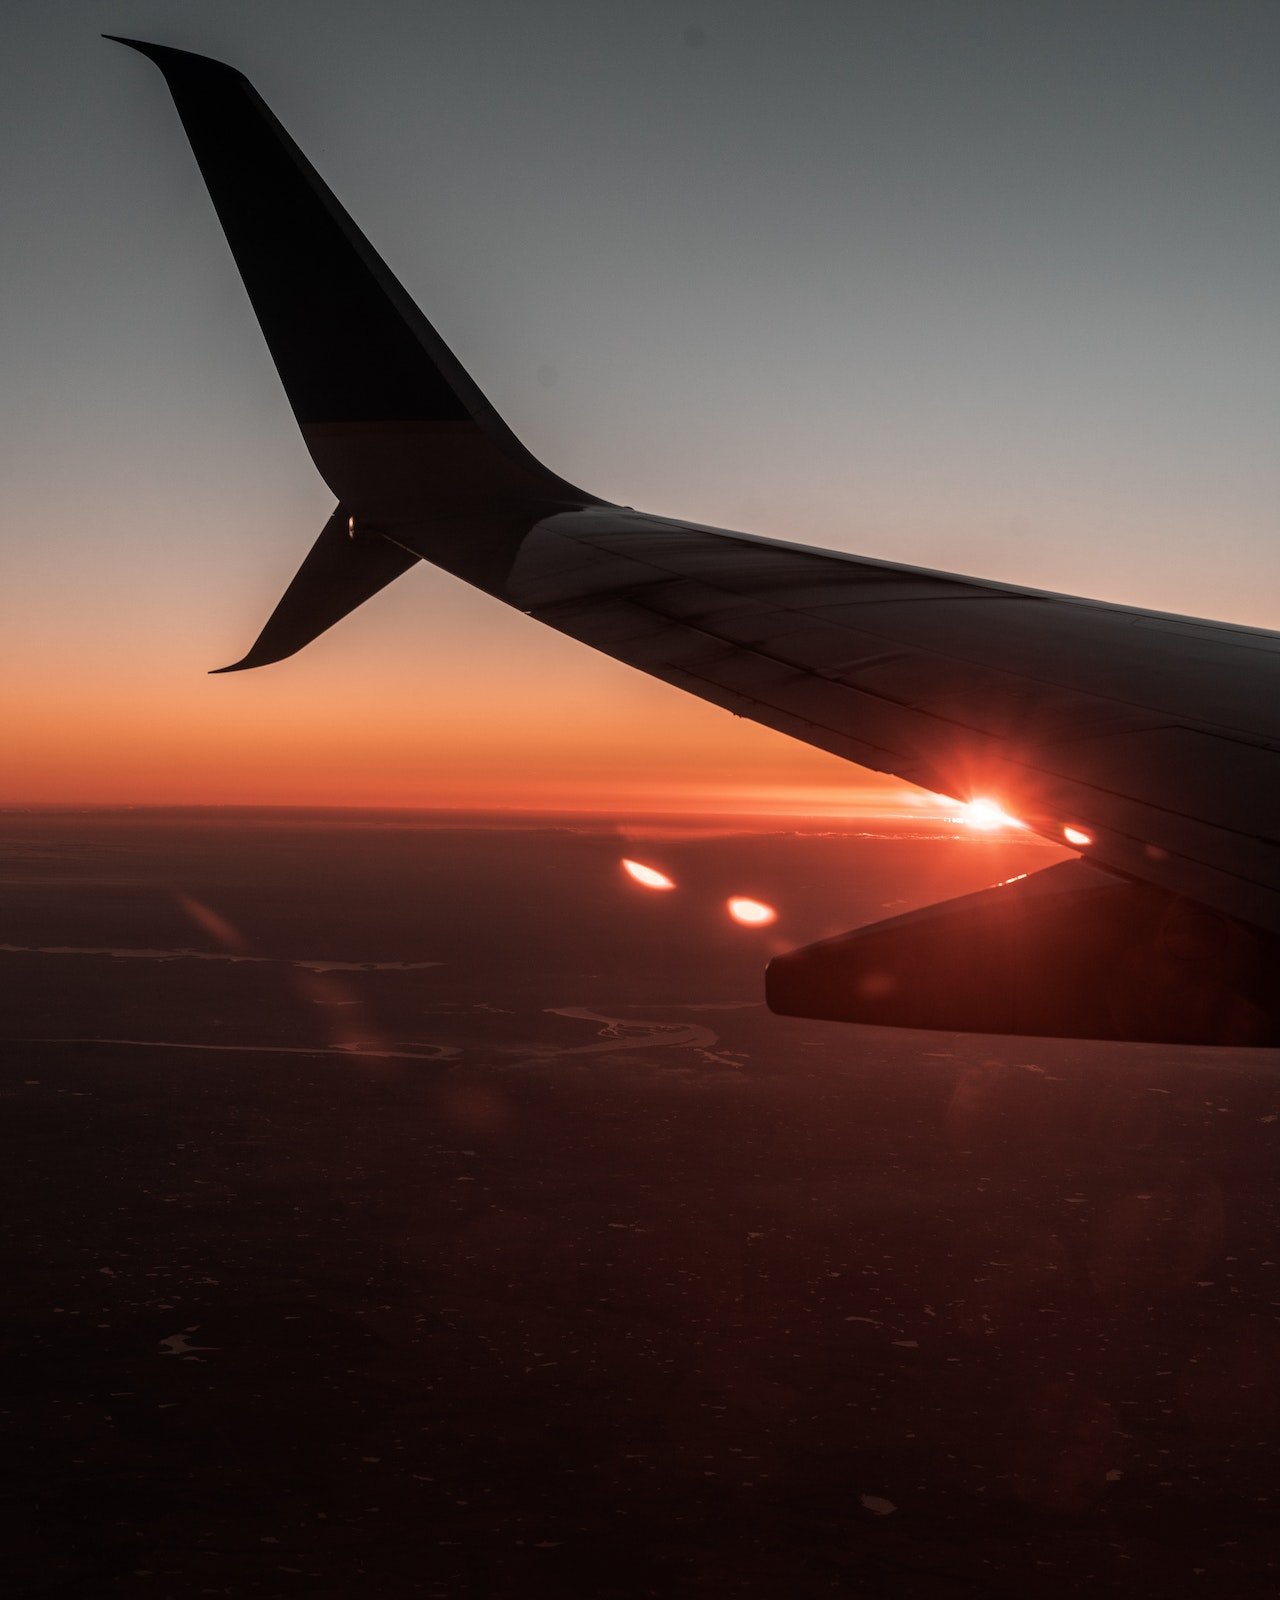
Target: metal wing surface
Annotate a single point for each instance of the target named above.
(1158, 736)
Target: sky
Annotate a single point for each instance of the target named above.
(990, 288)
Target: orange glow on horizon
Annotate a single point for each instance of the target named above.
(650, 877)
(355, 738)
(354, 724)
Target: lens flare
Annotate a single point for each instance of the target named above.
(218, 928)
(986, 816)
(650, 877)
(751, 913)
(1078, 836)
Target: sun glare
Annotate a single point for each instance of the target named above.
(650, 877)
(1077, 836)
(751, 913)
(986, 816)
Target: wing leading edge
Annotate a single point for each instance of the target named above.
(1155, 738)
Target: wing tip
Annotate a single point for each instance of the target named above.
(168, 58)
(261, 656)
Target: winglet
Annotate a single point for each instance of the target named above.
(339, 574)
(396, 426)
(391, 418)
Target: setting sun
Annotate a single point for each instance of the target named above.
(986, 816)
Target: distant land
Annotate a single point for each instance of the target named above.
(413, 1204)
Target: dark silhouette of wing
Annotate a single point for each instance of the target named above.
(1149, 742)
(1156, 736)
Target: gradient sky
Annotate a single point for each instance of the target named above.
(993, 288)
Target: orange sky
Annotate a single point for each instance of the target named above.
(260, 744)
(404, 704)
(431, 696)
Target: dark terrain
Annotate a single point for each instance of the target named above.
(561, 1268)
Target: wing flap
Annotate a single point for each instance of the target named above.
(1070, 952)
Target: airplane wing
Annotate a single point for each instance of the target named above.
(1149, 742)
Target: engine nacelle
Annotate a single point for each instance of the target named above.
(1072, 952)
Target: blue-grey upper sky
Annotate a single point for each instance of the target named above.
(988, 287)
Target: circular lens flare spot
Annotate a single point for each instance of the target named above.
(1078, 836)
(751, 913)
(649, 877)
(986, 816)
